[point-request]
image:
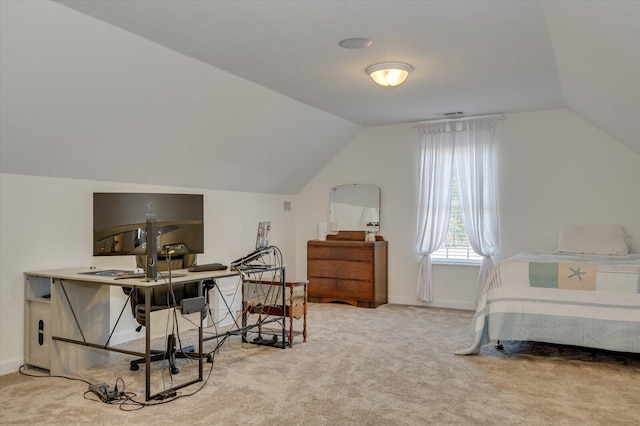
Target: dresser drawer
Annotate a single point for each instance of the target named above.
(344, 269)
(348, 270)
(340, 289)
(336, 252)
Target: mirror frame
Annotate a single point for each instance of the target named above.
(346, 203)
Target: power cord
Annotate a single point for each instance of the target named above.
(126, 400)
(23, 370)
(101, 390)
(130, 404)
(106, 395)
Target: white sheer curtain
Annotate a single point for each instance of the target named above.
(475, 171)
(468, 147)
(436, 171)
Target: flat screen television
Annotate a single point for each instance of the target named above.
(120, 223)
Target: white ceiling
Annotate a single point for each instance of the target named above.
(474, 56)
(271, 97)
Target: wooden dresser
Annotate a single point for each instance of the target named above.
(347, 269)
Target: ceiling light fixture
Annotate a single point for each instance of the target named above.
(389, 74)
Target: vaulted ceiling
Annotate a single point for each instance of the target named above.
(479, 57)
(473, 56)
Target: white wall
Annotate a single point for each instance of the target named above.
(46, 223)
(84, 99)
(386, 156)
(554, 168)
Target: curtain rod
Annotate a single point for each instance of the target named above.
(447, 120)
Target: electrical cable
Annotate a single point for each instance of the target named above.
(115, 397)
(131, 404)
(270, 261)
(264, 295)
(22, 370)
(105, 395)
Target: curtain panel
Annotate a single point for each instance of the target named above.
(466, 148)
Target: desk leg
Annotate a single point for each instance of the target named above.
(304, 317)
(200, 341)
(147, 357)
(283, 287)
(290, 316)
(245, 307)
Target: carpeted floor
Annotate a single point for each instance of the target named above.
(393, 365)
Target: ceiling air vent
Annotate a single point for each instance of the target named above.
(450, 114)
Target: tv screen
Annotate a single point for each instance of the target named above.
(119, 222)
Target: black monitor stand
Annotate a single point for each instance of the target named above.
(151, 268)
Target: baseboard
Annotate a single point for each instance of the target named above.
(438, 303)
(12, 366)
(125, 336)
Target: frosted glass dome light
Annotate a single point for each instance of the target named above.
(389, 74)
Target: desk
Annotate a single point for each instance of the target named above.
(67, 318)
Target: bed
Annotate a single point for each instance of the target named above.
(572, 299)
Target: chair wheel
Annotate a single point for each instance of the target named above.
(175, 370)
(135, 367)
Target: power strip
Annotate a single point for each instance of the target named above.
(104, 393)
(169, 393)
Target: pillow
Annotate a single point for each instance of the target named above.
(598, 238)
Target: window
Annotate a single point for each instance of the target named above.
(466, 148)
(456, 246)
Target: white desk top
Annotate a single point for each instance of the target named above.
(88, 275)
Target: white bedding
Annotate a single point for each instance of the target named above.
(580, 300)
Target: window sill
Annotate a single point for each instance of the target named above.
(455, 262)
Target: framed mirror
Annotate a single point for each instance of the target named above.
(353, 207)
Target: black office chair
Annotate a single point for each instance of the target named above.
(161, 299)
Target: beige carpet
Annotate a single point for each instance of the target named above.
(393, 365)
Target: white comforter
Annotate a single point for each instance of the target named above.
(579, 300)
